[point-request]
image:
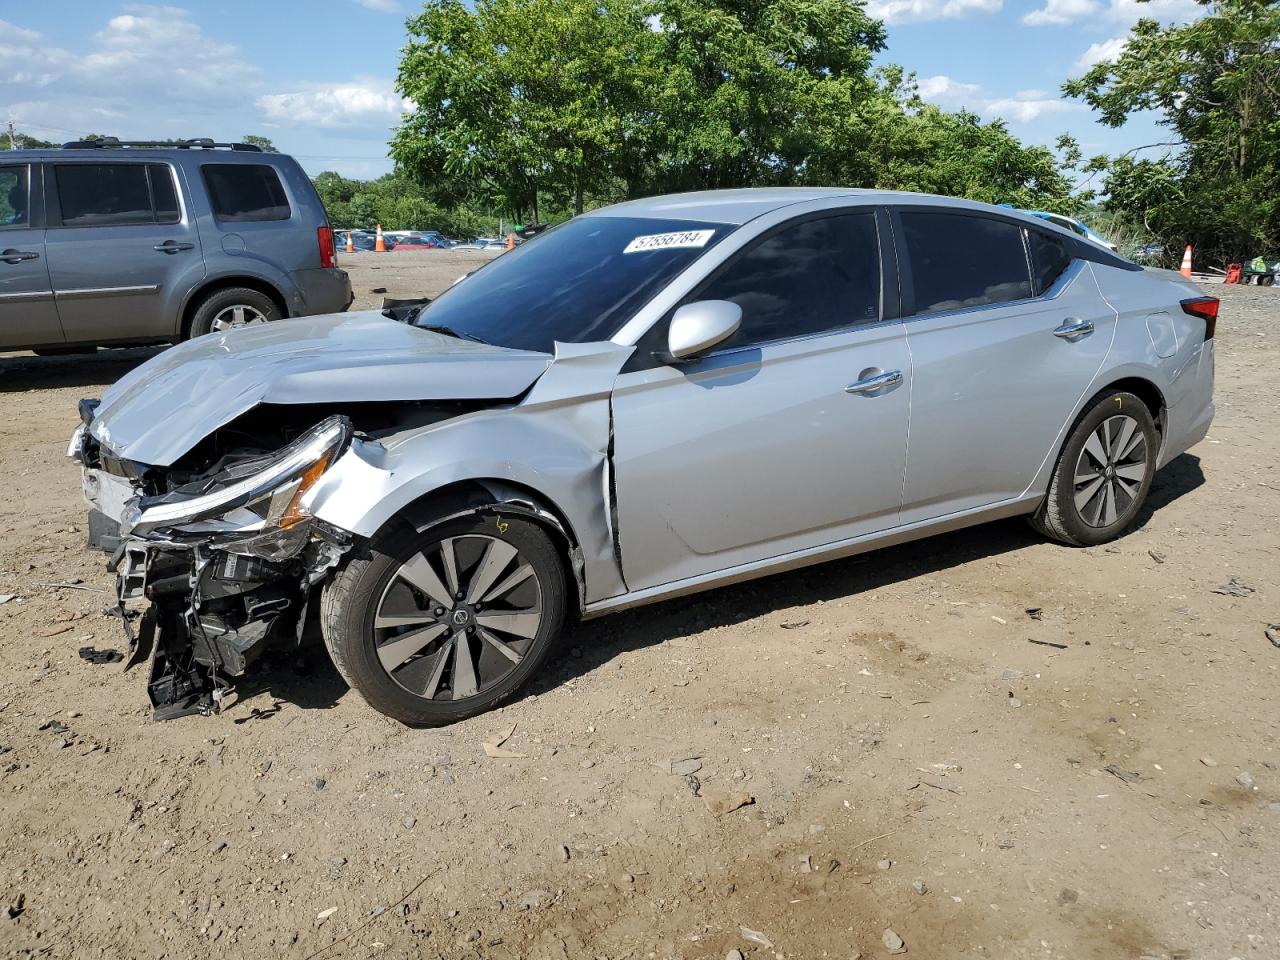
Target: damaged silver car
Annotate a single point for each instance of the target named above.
(650, 400)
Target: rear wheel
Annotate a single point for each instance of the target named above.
(232, 308)
(438, 625)
(1103, 473)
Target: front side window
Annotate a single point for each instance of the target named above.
(959, 260)
(103, 194)
(576, 283)
(810, 277)
(245, 192)
(15, 196)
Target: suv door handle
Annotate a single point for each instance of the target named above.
(878, 382)
(1073, 328)
(172, 246)
(17, 256)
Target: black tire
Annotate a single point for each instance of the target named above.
(355, 595)
(220, 301)
(1060, 516)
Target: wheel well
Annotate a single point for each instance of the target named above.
(223, 283)
(503, 495)
(1148, 393)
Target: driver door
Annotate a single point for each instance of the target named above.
(772, 443)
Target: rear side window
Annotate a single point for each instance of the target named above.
(1049, 258)
(243, 193)
(15, 197)
(960, 261)
(816, 275)
(115, 194)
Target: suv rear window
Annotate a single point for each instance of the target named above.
(242, 192)
(959, 260)
(115, 194)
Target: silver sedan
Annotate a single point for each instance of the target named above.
(649, 400)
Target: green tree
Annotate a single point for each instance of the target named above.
(14, 140)
(1215, 84)
(262, 143)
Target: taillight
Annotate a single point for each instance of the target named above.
(1206, 308)
(328, 255)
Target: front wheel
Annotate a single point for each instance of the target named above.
(1103, 473)
(435, 626)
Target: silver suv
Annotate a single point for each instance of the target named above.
(104, 242)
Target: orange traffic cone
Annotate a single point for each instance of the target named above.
(1186, 262)
(351, 241)
(380, 245)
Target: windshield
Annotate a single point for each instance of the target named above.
(577, 283)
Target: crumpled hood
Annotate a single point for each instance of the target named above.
(163, 408)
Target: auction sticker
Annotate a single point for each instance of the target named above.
(668, 241)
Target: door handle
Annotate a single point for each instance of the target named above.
(172, 246)
(1073, 328)
(878, 382)
(17, 256)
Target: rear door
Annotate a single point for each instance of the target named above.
(123, 251)
(777, 441)
(28, 315)
(1007, 334)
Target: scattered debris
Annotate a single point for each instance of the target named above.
(883, 864)
(54, 726)
(920, 887)
(1156, 556)
(378, 290)
(6, 597)
(722, 802)
(1128, 776)
(1011, 675)
(493, 746)
(319, 783)
(562, 852)
(686, 766)
(14, 910)
(535, 899)
(795, 625)
(1067, 896)
(1245, 779)
(1272, 633)
(1050, 643)
(1234, 587)
(1209, 761)
(1000, 620)
(755, 936)
(1035, 613)
(806, 864)
(893, 943)
(1014, 701)
(100, 656)
(324, 915)
(409, 822)
(734, 954)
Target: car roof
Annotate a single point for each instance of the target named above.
(739, 206)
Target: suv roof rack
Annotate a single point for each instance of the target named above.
(203, 143)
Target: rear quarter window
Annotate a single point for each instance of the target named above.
(959, 260)
(1049, 259)
(245, 193)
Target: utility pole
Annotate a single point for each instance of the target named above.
(13, 138)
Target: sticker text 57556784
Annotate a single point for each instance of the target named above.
(668, 241)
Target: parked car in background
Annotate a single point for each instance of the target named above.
(654, 399)
(105, 242)
(1075, 226)
(415, 240)
(365, 241)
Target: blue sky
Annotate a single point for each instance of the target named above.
(318, 77)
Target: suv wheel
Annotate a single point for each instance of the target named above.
(1103, 473)
(231, 308)
(438, 625)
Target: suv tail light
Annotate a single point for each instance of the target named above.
(328, 255)
(1207, 309)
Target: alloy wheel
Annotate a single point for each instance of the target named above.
(457, 617)
(1110, 471)
(236, 315)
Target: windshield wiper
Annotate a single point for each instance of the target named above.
(450, 332)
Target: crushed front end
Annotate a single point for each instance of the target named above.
(220, 548)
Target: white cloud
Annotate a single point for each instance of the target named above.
(1057, 12)
(1023, 107)
(909, 11)
(1097, 52)
(382, 6)
(363, 101)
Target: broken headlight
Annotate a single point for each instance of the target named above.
(257, 506)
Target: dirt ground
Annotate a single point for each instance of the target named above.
(1098, 780)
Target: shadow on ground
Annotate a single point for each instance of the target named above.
(26, 371)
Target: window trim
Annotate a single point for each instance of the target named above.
(906, 277)
(52, 205)
(645, 356)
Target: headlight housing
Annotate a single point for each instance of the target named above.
(261, 504)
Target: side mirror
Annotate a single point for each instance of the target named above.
(697, 327)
